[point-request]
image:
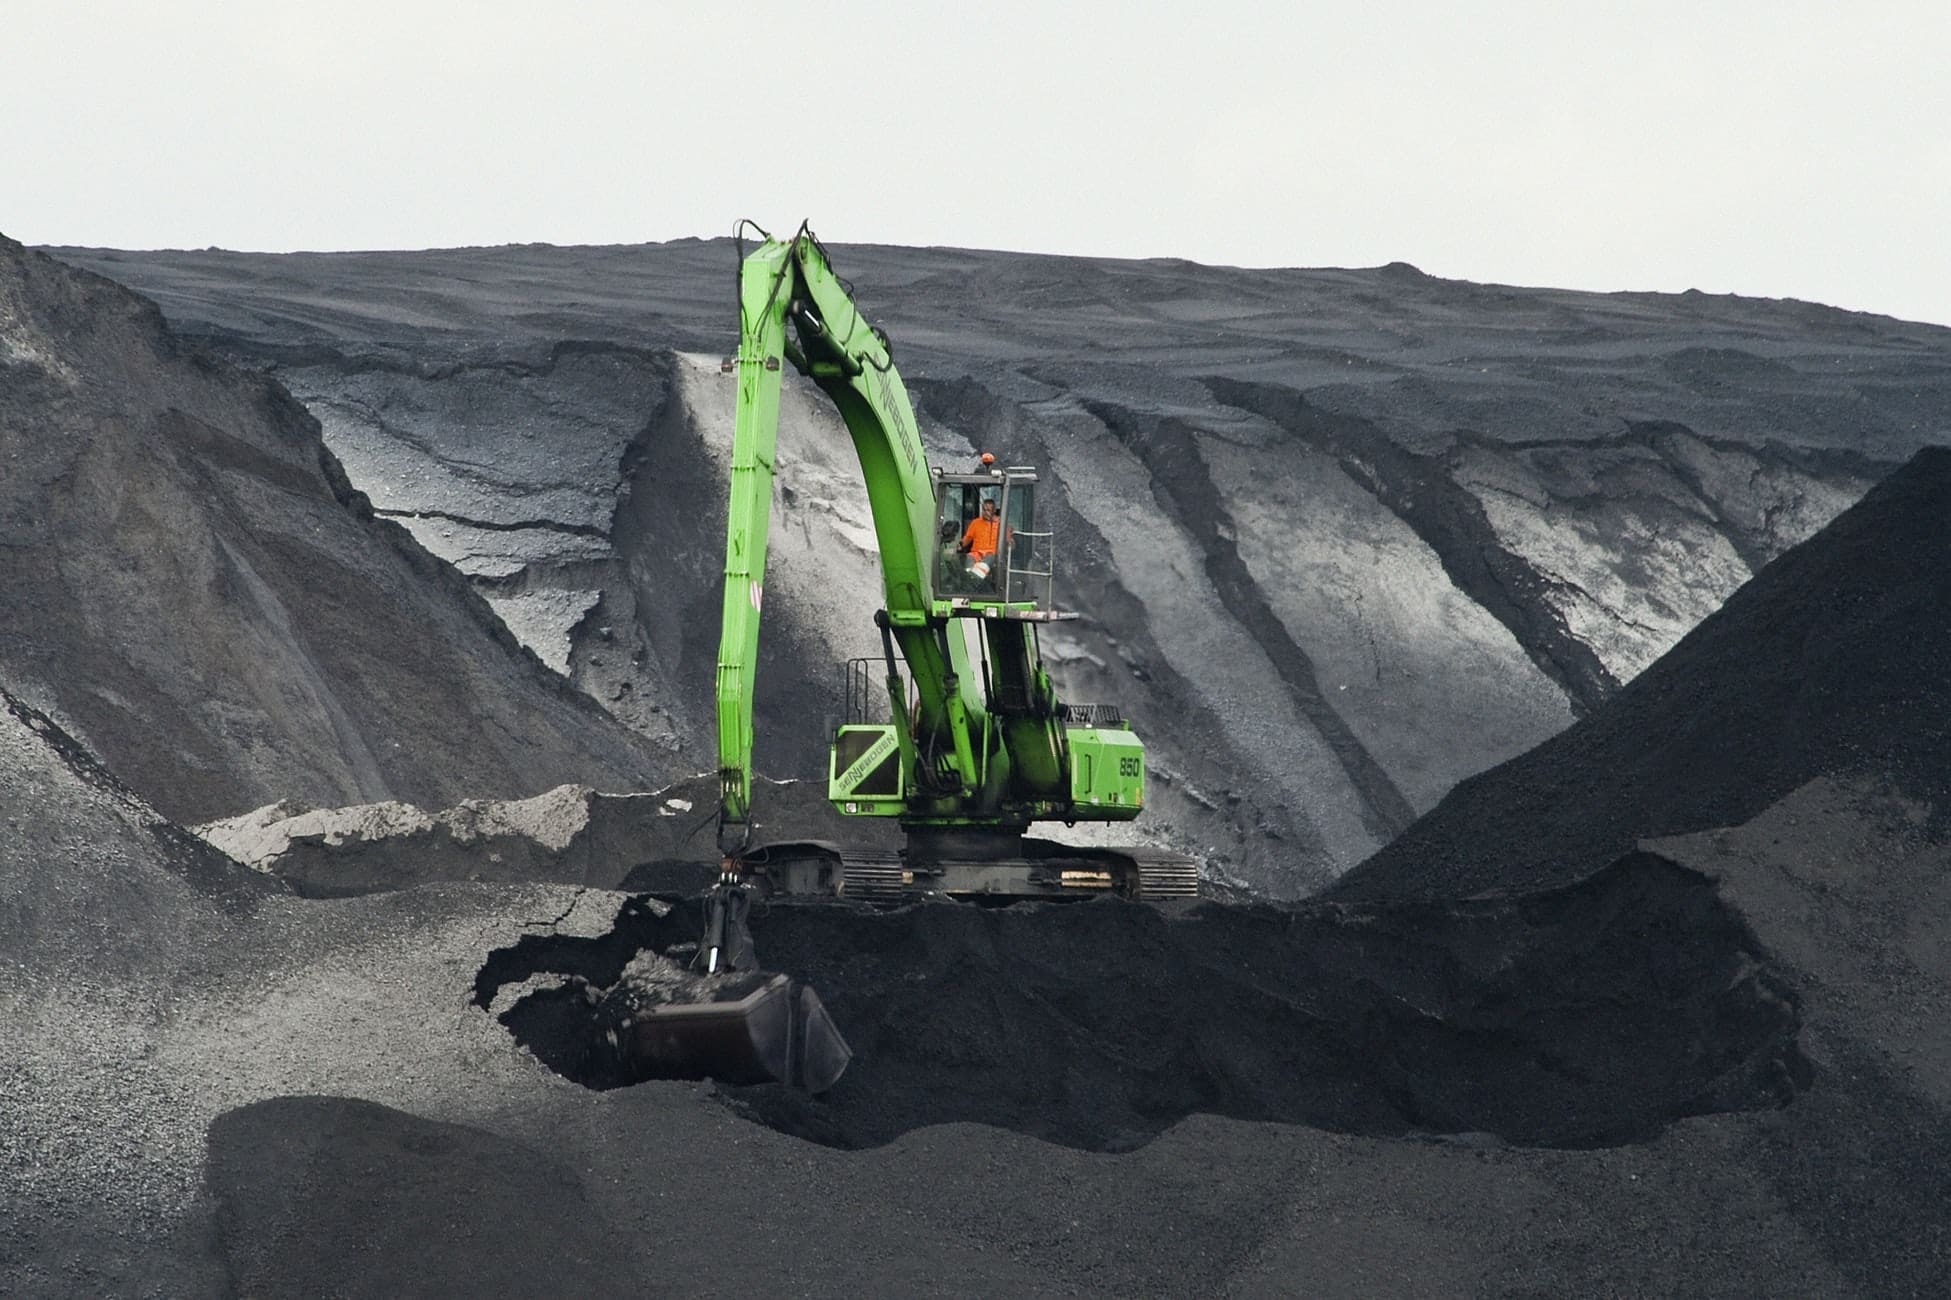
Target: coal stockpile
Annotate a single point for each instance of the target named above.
(1836, 658)
(1549, 1054)
(1592, 1014)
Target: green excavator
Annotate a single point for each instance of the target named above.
(963, 738)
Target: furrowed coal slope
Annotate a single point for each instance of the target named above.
(194, 588)
(1834, 660)
(1340, 537)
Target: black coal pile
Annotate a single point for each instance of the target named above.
(1834, 659)
(109, 858)
(194, 588)
(1796, 750)
(1596, 1013)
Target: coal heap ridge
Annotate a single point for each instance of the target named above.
(1835, 658)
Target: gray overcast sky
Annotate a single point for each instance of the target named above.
(1782, 148)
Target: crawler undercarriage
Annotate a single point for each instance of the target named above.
(1021, 868)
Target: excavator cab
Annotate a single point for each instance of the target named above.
(988, 545)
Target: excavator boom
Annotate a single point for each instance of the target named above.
(850, 360)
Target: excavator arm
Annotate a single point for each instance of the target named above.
(792, 281)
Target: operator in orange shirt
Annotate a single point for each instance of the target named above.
(979, 539)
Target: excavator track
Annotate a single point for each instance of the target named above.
(1040, 870)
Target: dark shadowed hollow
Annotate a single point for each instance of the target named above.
(1582, 1016)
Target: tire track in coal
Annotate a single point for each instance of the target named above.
(1169, 450)
(1450, 521)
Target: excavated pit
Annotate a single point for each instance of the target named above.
(1588, 1015)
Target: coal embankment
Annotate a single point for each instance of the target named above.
(1583, 1016)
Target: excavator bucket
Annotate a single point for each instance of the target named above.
(745, 1027)
(721, 1017)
